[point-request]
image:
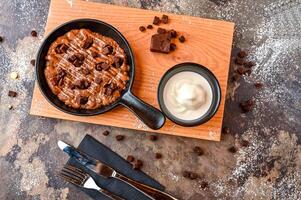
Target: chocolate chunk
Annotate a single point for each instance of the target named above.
(164, 19)
(85, 71)
(236, 77)
(142, 28)
(160, 43)
(158, 155)
(106, 133)
(130, 158)
(61, 73)
(240, 70)
(244, 143)
(71, 58)
(80, 56)
(82, 84)
(232, 149)
(242, 54)
(258, 85)
(204, 184)
(61, 48)
(94, 54)
(117, 62)
(120, 137)
(249, 64)
(173, 47)
(153, 137)
(173, 33)
(161, 30)
(226, 130)
(102, 66)
(1, 39)
(98, 80)
(12, 93)
(34, 33)
(33, 62)
(78, 63)
(190, 175)
(156, 20)
(198, 150)
(88, 43)
(83, 100)
(182, 39)
(246, 106)
(72, 86)
(107, 50)
(149, 26)
(239, 61)
(108, 91)
(138, 164)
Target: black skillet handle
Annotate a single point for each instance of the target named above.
(149, 115)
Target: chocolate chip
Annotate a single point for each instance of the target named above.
(120, 137)
(164, 19)
(161, 30)
(173, 33)
(106, 133)
(34, 33)
(142, 28)
(232, 149)
(98, 80)
(153, 137)
(72, 86)
(244, 143)
(61, 73)
(204, 184)
(130, 158)
(173, 47)
(186, 174)
(239, 61)
(138, 164)
(258, 85)
(88, 43)
(198, 150)
(117, 62)
(78, 63)
(85, 71)
(246, 106)
(108, 91)
(226, 130)
(71, 58)
(249, 64)
(102, 66)
(156, 20)
(82, 84)
(242, 54)
(190, 175)
(12, 93)
(1, 39)
(107, 50)
(33, 62)
(236, 77)
(160, 43)
(149, 26)
(94, 54)
(80, 56)
(158, 155)
(83, 100)
(61, 48)
(182, 38)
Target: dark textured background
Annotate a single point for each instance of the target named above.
(269, 168)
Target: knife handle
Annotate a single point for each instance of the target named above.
(154, 193)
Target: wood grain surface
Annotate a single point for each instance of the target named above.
(209, 43)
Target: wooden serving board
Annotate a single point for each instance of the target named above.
(208, 42)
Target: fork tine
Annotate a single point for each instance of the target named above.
(74, 175)
(75, 172)
(67, 178)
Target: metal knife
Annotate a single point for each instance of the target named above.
(104, 170)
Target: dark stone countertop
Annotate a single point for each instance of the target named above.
(268, 168)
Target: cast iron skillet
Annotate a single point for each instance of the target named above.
(151, 116)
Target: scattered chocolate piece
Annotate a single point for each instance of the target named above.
(1, 39)
(108, 49)
(156, 20)
(33, 62)
(258, 85)
(269, 180)
(164, 19)
(242, 54)
(80, 56)
(190, 175)
(94, 54)
(142, 28)
(226, 130)
(61, 48)
(244, 143)
(106, 133)
(232, 149)
(182, 38)
(173, 47)
(153, 137)
(173, 33)
(120, 137)
(240, 70)
(10, 107)
(158, 155)
(149, 26)
(12, 93)
(204, 184)
(236, 77)
(102, 66)
(249, 64)
(239, 61)
(78, 63)
(34, 33)
(247, 106)
(130, 158)
(160, 43)
(83, 100)
(117, 62)
(137, 165)
(88, 43)
(198, 150)
(161, 30)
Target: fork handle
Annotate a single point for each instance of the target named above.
(154, 193)
(109, 194)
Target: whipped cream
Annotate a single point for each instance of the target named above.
(187, 95)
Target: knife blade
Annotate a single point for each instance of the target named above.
(106, 171)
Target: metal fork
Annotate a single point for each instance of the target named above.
(80, 178)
